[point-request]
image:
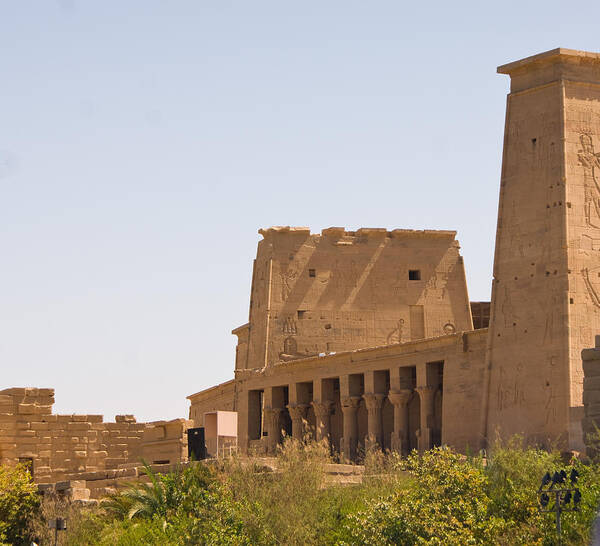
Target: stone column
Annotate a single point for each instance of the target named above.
(426, 395)
(374, 425)
(322, 412)
(298, 416)
(349, 408)
(400, 435)
(272, 425)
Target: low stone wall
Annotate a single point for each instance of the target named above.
(166, 441)
(92, 486)
(60, 448)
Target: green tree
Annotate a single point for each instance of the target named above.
(18, 504)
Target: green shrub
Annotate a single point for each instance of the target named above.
(446, 503)
(18, 504)
(188, 506)
(439, 497)
(163, 495)
(285, 505)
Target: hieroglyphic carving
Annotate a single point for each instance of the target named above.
(290, 347)
(395, 336)
(514, 229)
(551, 307)
(510, 391)
(590, 160)
(287, 282)
(289, 326)
(590, 287)
(449, 328)
(549, 405)
(507, 308)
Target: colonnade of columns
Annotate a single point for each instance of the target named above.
(373, 388)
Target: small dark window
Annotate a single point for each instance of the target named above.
(312, 273)
(414, 274)
(162, 461)
(301, 314)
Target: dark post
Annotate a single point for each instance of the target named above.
(562, 496)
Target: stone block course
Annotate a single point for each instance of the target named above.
(63, 446)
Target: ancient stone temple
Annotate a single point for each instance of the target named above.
(368, 336)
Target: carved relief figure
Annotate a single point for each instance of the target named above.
(590, 287)
(290, 349)
(510, 393)
(290, 346)
(551, 307)
(289, 326)
(590, 160)
(395, 336)
(287, 282)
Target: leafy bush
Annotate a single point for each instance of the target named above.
(163, 495)
(188, 506)
(458, 500)
(439, 497)
(446, 503)
(18, 504)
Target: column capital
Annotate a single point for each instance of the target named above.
(322, 409)
(373, 401)
(400, 398)
(425, 391)
(350, 403)
(297, 411)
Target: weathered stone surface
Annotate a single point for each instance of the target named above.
(343, 291)
(342, 322)
(67, 446)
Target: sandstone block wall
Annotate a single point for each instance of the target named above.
(165, 442)
(66, 447)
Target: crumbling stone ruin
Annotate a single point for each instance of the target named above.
(82, 454)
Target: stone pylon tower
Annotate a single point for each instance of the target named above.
(546, 287)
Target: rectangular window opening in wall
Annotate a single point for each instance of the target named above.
(301, 314)
(312, 272)
(414, 274)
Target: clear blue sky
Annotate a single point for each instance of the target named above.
(143, 143)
